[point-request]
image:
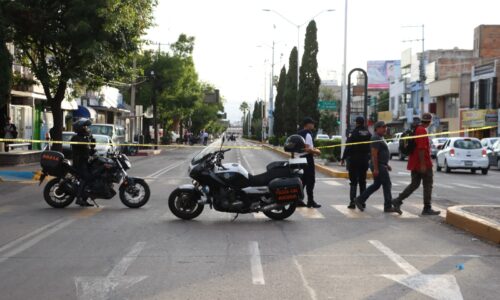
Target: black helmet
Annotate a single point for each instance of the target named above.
(82, 126)
(295, 143)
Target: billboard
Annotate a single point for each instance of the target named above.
(382, 72)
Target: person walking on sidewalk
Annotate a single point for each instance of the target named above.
(380, 169)
(420, 165)
(309, 177)
(357, 157)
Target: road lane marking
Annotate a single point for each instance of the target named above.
(491, 186)
(98, 287)
(443, 186)
(351, 213)
(307, 286)
(248, 164)
(333, 183)
(433, 286)
(404, 182)
(259, 215)
(160, 172)
(89, 212)
(466, 186)
(38, 236)
(435, 207)
(405, 215)
(404, 173)
(310, 213)
(256, 264)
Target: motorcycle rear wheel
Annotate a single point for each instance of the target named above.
(56, 197)
(281, 214)
(184, 205)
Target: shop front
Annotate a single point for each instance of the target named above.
(479, 118)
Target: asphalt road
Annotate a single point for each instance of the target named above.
(113, 252)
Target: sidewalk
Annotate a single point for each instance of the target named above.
(480, 220)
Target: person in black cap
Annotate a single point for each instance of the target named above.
(357, 157)
(380, 168)
(309, 178)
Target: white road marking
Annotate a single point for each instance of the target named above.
(255, 264)
(491, 186)
(333, 183)
(310, 213)
(248, 164)
(404, 182)
(404, 173)
(259, 215)
(37, 235)
(351, 213)
(160, 172)
(442, 210)
(443, 287)
(100, 288)
(466, 186)
(443, 186)
(310, 290)
(405, 215)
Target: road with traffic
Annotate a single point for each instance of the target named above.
(113, 252)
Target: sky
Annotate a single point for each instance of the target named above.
(234, 38)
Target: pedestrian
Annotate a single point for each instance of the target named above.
(309, 177)
(205, 138)
(9, 132)
(380, 168)
(357, 157)
(420, 165)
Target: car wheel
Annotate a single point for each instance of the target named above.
(498, 164)
(439, 169)
(446, 167)
(484, 171)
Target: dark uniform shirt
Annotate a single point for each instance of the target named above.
(362, 151)
(81, 152)
(383, 150)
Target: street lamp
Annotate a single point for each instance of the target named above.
(298, 32)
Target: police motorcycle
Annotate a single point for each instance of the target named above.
(228, 187)
(60, 191)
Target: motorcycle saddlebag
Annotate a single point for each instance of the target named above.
(52, 163)
(286, 189)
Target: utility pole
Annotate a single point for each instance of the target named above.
(271, 98)
(155, 111)
(132, 103)
(422, 76)
(343, 116)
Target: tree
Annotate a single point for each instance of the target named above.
(279, 116)
(309, 77)
(383, 101)
(5, 72)
(244, 107)
(328, 122)
(82, 40)
(290, 95)
(257, 120)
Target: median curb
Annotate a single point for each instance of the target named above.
(478, 225)
(18, 176)
(320, 168)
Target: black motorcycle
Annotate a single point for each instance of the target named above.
(60, 191)
(230, 188)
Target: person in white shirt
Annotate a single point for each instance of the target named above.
(309, 178)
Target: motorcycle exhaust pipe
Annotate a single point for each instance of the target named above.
(270, 207)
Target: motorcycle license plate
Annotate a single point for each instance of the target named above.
(287, 194)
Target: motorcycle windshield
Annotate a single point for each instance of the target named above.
(202, 155)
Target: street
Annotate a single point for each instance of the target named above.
(113, 252)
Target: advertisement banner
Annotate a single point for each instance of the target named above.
(479, 118)
(382, 72)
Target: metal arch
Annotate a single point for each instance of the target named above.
(365, 112)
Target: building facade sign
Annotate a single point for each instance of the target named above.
(479, 118)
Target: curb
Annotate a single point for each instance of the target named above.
(323, 169)
(483, 227)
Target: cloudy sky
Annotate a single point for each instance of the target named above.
(233, 37)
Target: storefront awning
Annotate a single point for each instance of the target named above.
(28, 95)
(85, 112)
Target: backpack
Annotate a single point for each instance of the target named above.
(407, 145)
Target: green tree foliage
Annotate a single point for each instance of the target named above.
(290, 96)
(244, 108)
(279, 116)
(257, 120)
(309, 77)
(328, 122)
(82, 40)
(383, 101)
(5, 71)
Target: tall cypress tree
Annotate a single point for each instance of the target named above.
(279, 116)
(309, 77)
(290, 95)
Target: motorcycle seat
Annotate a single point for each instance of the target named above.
(265, 178)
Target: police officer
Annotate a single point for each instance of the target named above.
(309, 178)
(81, 154)
(357, 157)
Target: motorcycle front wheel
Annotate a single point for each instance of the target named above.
(184, 205)
(135, 195)
(55, 196)
(282, 213)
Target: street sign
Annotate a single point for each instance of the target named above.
(327, 105)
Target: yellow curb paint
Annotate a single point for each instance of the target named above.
(481, 227)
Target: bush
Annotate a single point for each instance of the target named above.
(332, 153)
(274, 140)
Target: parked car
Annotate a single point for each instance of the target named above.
(489, 142)
(463, 153)
(104, 144)
(393, 145)
(436, 145)
(494, 155)
(322, 137)
(336, 137)
(66, 148)
(115, 132)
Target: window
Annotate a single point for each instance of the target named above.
(467, 144)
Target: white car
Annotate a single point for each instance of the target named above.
(393, 146)
(322, 137)
(104, 144)
(489, 142)
(336, 137)
(463, 153)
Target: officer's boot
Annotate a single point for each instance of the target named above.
(352, 205)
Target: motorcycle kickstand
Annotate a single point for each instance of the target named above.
(235, 217)
(95, 203)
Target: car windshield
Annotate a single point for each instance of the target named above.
(467, 144)
(102, 129)
(101, 139)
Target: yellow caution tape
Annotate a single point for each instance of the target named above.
(236, 147)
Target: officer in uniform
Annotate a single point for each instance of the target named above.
(357, 157)
(81, 154)
(309, 178)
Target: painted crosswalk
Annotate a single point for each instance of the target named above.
(402, 184)
(310, 213)
(405, 215)
(351, 213)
